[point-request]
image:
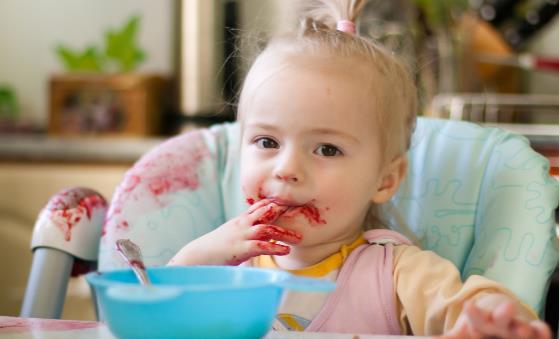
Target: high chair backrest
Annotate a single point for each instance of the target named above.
(480, 197)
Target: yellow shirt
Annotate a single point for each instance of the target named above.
(428, 290)
(299, 308)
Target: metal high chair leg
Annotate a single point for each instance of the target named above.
(51, 267)
(65, 242)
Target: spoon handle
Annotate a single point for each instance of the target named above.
(133, 256)
(141, 274)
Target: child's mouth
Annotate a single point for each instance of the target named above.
(288, 203)
(308, 210)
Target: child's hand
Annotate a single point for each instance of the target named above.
(502, 321)
(240, 239)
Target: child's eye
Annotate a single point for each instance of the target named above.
(265, 142)
(328, 150)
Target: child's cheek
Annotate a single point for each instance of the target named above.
(252, 191)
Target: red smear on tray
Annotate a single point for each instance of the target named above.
(19, 325)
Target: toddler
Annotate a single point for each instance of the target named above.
(326, 118)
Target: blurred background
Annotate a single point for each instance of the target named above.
(87, 87)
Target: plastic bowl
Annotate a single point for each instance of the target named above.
(195, 301)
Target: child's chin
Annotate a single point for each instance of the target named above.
(294, 223)
(298, 225)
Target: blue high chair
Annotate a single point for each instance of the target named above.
(480, 197)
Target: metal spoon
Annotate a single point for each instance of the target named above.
(133, 256)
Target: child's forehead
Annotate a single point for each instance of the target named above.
(309, 91)
(309, 105)
(302, 89)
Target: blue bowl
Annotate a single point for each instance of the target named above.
(195, 301)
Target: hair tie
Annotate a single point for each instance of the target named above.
(346, 26)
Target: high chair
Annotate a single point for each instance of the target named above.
(480, 197)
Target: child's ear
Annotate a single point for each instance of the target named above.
(390, 180)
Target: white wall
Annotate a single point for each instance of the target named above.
(30, 30)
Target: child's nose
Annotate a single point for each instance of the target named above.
(287, 178)
(289, 169)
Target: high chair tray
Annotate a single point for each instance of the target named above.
(22, 328)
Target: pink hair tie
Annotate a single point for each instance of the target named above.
(346, 26)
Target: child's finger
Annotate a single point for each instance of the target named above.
(541, 328)
(478, 318)
(523, 330)
(254, 248)
(257, 205)
(503, 317)
(266, 214)
(258, 247)
(273, 232)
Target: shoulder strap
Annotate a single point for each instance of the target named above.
(363, 300)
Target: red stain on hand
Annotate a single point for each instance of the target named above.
(272, 232)
(268, 248)
(70, 206)
(271, 214)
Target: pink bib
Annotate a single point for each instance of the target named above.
(363, 301)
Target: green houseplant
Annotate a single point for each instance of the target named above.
(120, 53)
(102, 92)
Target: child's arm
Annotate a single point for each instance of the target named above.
(431, 296)
(240, 239)
(497, 316)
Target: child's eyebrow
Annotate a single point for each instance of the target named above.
(329, 131)
(262, 126)
(315, 131)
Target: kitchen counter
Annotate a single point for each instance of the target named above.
(536, 133)
(57, 149)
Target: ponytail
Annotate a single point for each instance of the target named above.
(330, 12)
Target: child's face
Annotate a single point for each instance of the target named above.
(309, 140)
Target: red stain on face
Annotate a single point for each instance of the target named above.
(312, 214)
(170, 168)
(261, 194)
(69, 207)
(308, 210)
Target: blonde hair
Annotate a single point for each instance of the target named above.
(394, 93)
